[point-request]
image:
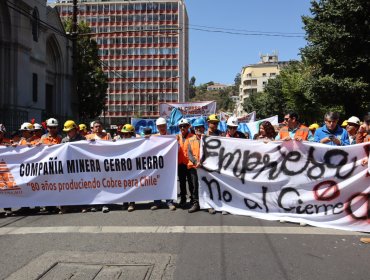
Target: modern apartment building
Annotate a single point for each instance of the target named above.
(254, 77)
(143, 47)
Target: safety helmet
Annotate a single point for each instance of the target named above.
(313, 126)
(82, 127)
(37, 126)
(51, 122)
(127, 128)
(354, 120)
(2, 128)
(344, 124)
(199, 122)
(92, 124)
(160, 121)
(232, 121)
(183, 121)
(69, 125)
(26, 126)
(213, 118)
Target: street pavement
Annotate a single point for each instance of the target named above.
(165, 244)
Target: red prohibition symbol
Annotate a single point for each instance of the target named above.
(326, 191)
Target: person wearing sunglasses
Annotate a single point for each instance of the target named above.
(51, 137)
(293, 129)
(183, 160)
(232, 128)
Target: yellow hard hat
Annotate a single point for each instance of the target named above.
(82, 127)
(313, 126)
(127, 128)
(69, 125)
(213, 118)
(344, 124)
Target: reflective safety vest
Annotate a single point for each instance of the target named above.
(192, 145)
(47, 139)
(183, 153)
(105, 136)
(302, 132)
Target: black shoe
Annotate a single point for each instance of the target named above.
(182, 203)
(194, 208)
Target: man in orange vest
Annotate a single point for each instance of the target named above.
(183, 160)
(98, 133)
(192, 145)
(52, 137)
(293, 129)
(26, 132)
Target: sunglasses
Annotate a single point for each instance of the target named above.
(52, 127)
(183, 126)
(286, 119)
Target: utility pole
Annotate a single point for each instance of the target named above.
(74, 51)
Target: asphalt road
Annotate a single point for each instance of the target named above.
(184, 246)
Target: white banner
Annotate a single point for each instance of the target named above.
(189, 108)
(82, 173)
(317, 184)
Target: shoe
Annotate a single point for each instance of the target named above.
(105, 209)
(62, 211)
(154, 207)
(211, 211)
(8, 213)
(83, 210)
(225, 213)
(194, 208)
(182, 203)
(93, 209)
(302, 224)
(131, 207)
(171, 207)
(125, 206)
(282, 221)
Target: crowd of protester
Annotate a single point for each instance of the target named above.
(351, 131)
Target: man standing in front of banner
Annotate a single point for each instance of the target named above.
(293, 129)
(192, 145)
(183, 171)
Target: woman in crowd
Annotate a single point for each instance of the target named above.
(266, 132)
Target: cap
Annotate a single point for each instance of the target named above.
(313, 126)
(92, 124)
(354, 120)
(160, 121)
(127, 128)
(51, 122)
(213, 118)
(184, 121)
(37, 126)
(232, 121)
(82, 127)
(2, 128)
(69, 125)
(26, 126)
(344, 124)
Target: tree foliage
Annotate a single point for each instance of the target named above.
(92, 83)
(339, 53)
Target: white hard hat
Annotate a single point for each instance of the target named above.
(26, 126)
(183, 121)
(2, 128)
(37, 126)
(160, 121)
(51, 122)
(92, 124)
(354, 120)
(232, 121)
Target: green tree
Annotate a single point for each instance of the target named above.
(338, 51)
(92, 83)
(192, 87)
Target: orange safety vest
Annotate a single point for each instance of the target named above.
(94, 136)
(183, 153)
(302, 132)
(23, 141)
(192, 146)
(47, 139)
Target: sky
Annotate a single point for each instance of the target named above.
(219, 57)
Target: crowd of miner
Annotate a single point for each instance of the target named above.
(351, 132)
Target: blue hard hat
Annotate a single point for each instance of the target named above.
(199, 122)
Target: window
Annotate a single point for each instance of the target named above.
(34, 87)
(263, 74)
(35, 25)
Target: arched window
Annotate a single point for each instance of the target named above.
(35, 25)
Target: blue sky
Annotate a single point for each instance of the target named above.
(219, 57)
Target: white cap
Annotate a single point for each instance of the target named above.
(26, 126)
(354, 120)
(51, 122)
(232, 121)
(37, 126)
(160, 121)
(183, 121)
(92, 124)
(2, 128)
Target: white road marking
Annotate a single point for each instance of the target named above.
(178, 229)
